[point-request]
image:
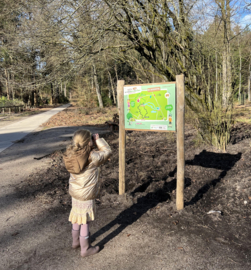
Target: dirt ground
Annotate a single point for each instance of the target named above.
(141, 230)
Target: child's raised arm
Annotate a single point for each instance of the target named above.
(101, 156)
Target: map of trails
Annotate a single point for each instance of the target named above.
(150, 107)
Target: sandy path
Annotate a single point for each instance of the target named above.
(17, 130)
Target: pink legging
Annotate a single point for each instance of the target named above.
(84, 231)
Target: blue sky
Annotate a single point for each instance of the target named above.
(244, 13)
(204, 12)
(246, 19)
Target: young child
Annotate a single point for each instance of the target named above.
(83, 164)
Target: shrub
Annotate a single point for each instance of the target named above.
(212, 122)
(107, 102)
(85, 111)
(101, 110)
(62, 99)
(14, 102)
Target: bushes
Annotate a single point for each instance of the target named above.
(85, 111)
(107, 102)
(63, 99)
(5, 102)
(100, 110)
(212, 121)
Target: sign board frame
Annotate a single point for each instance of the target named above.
(143, 88)
(180, 131)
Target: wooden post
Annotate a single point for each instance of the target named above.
(180, 141)
(120, 91)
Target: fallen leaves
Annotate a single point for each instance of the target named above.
(75, 116)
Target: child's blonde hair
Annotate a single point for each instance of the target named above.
(77, 154)
(81, 139)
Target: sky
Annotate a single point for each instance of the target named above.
(204, 12)
(246, 20)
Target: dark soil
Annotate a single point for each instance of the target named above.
(213, 181)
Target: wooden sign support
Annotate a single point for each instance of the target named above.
(122, 136)
(180, 127)
(180, 86)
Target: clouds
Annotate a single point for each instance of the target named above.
(246, 21)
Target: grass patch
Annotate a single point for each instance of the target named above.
(242, 114)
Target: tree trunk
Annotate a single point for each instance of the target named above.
(182, 18)
(109, 92)
(56, 93)
(7, 84)
(35, 98)
(92, 81)
(32, 98)
(113, 91)
(226, 63)
(116, 72)
(11, 86)
(21, 94)
(208, 84)
(224, 78)
(29, 100)
(216, 78)
(97, 86)
(249, 82)
(239, 95)
(51, 101)
(65, 89)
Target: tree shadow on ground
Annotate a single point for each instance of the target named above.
(132, 214)
(224, 162)
(220, 161)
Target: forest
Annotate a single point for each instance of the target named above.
(53, 50)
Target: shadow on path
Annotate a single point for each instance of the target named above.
(132, 214)
(220, 161)
(224, 162)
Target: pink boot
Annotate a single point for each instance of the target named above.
(86, 248)
(75, 236)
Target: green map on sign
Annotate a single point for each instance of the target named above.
(148, 106)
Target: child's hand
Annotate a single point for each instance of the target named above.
(95, 136)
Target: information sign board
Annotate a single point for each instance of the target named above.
(150, 107)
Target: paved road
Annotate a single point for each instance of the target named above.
(16, 131)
